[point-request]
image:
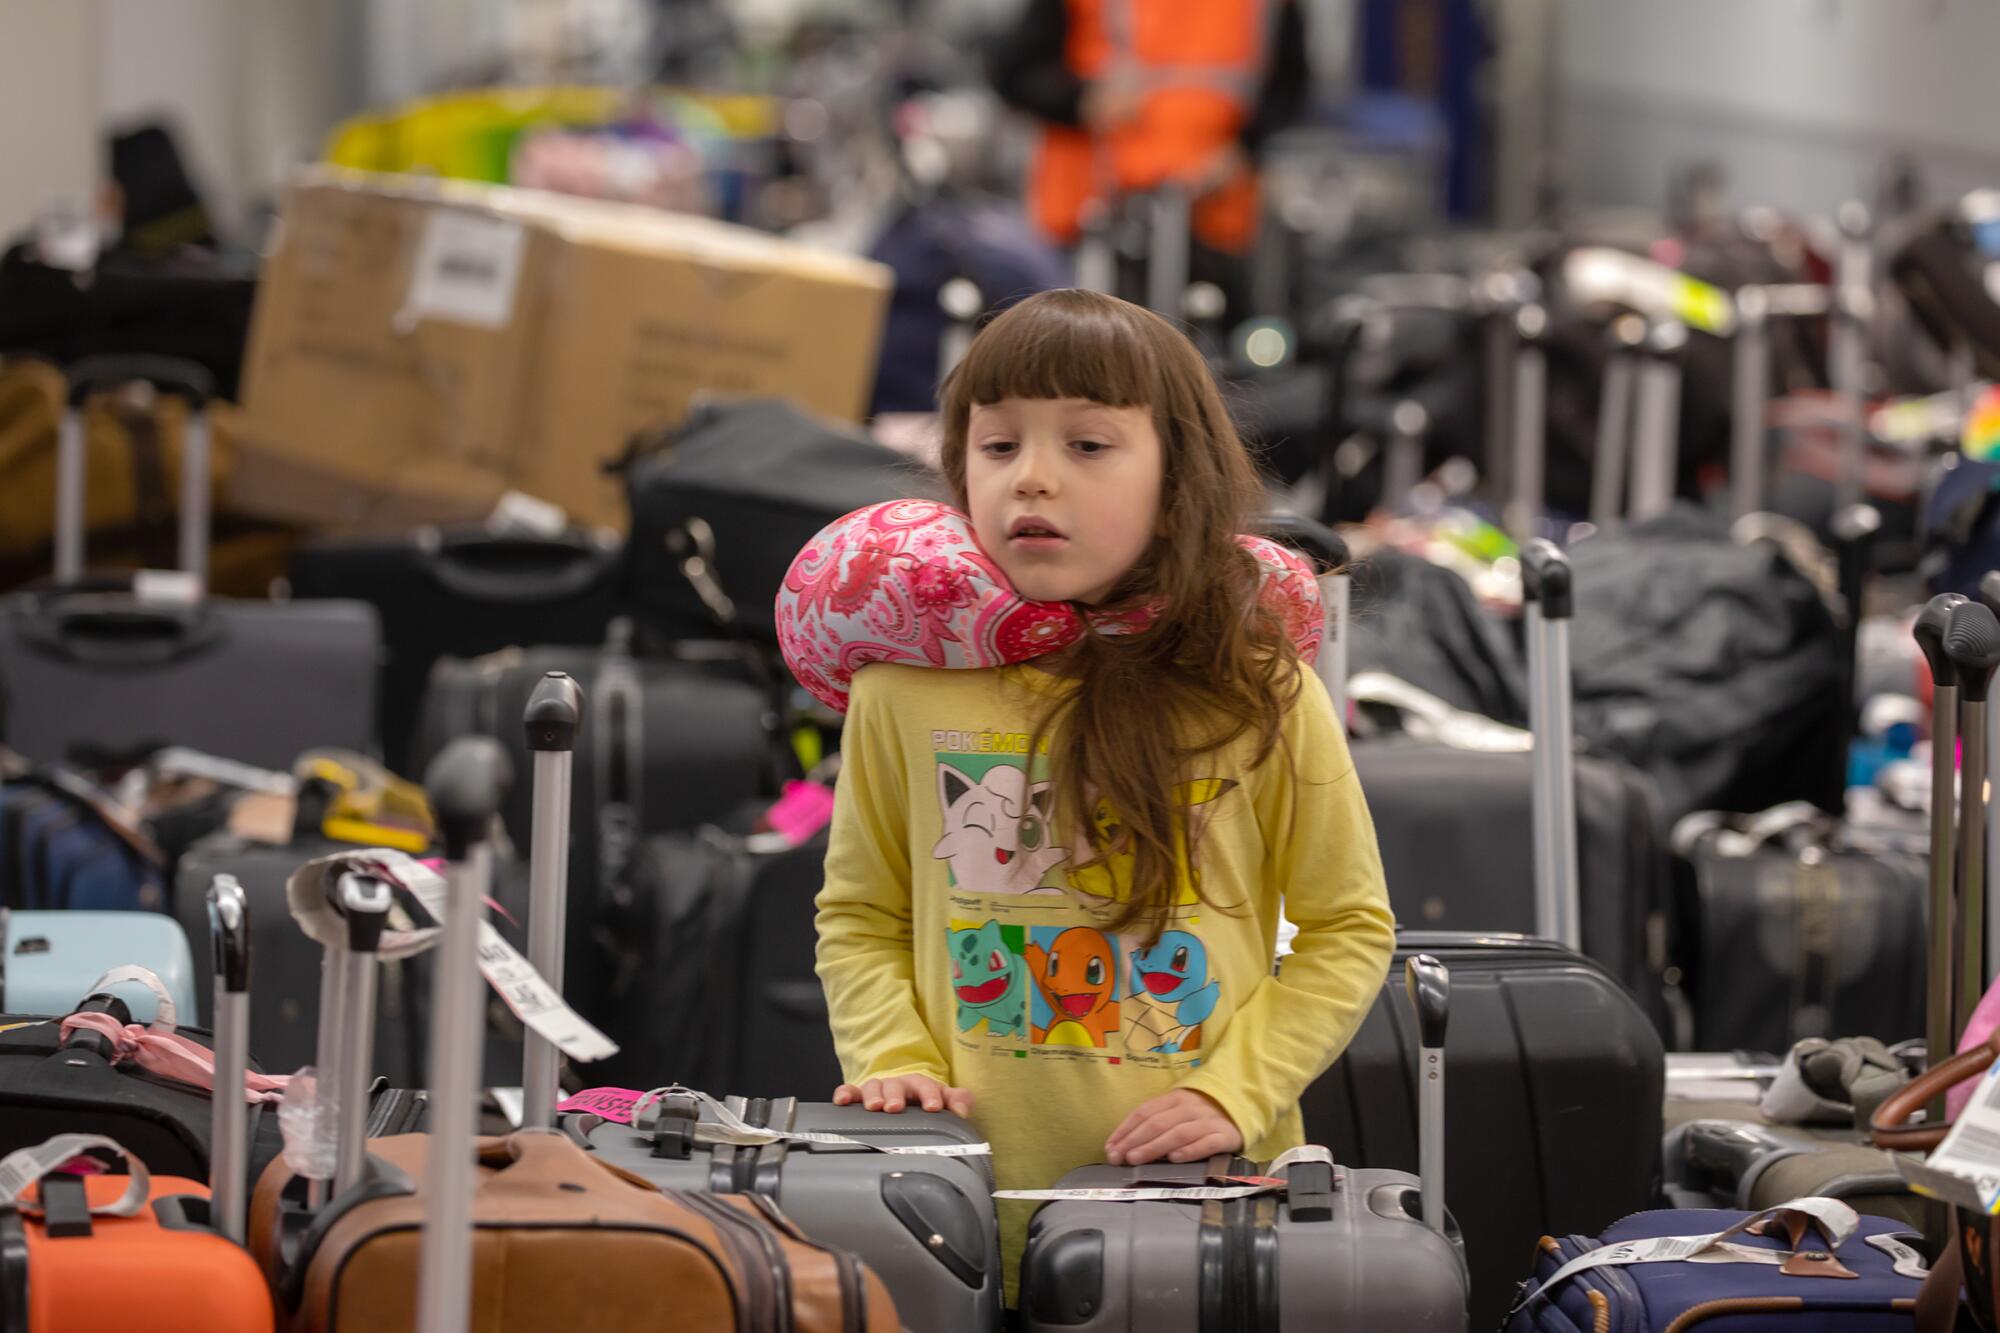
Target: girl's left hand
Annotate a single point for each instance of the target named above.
(1181, 1126)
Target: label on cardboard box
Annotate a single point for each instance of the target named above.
(466, 271)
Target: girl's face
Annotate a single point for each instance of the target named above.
(1064, 492)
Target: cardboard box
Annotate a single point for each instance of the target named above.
(420, 346)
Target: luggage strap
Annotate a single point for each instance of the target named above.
(1234, 1187)
(22, 1168)
(171, 1056)
(1834, 1219)
(732, 1130)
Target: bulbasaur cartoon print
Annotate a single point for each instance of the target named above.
(996, 831)
(990, 981)
(1076, 977)
(1172, 994)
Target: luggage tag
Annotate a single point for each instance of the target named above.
(1249, 1186)
(613, 1104)
(730, 1129)
(511, 976)
(1964, 1170)
(1835, 1218)
(22, 1168)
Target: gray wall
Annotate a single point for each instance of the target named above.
(1802, 101)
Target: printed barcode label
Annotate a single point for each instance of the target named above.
(1976, 1143)
(466, 270)
(1680, 1247)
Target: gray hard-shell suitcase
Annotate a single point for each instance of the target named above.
(1337, 1248)
(925, 1224)
(97, 676)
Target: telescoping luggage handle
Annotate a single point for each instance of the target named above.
(364, 901)
(229, 1147)
(1939, 1029)
(184, 379)
(468, 783)
(1972, 642)
(1548, 600)
(553, 720)
(1428, 982)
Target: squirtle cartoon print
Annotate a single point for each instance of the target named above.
(1076, 977)
(990, 981)
(996, 831)
(1171, 995)
(1111, 877)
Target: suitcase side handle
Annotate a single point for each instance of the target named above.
(1890, 1126)
(488, 568)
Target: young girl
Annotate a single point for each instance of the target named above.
(1053, 890)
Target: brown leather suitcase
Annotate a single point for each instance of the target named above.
(561, 1238)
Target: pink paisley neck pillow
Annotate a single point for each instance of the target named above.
(906, 581)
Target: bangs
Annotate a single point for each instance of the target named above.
(1063, 344)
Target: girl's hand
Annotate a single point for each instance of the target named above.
(1181, 1126)
(893, 1094)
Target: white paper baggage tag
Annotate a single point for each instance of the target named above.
(1835, 1218)
(1965, 1169)
(22, 1168)
(166, 1015)
(1310, 1152)
(513, 977)
(728, 1128)
(516, 981)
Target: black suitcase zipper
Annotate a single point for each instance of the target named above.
(1237, 1262)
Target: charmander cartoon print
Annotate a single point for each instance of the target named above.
(996, 830)
(1076, 978)
(1111, 877)
(1171, 995)
(989, 977)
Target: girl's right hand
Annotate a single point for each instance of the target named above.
(893, 1094)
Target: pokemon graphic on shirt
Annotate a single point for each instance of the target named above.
(1171, 994)
(989, 978)
(1031, 973)
(1076, 973)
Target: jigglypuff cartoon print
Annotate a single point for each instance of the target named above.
(1076, 977)
(1171, 995)
(990, 980)
(996, 830)
(1112, 877)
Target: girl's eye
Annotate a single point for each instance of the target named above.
(998, 448)
(1089, 448)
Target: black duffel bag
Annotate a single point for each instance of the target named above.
(722, 505)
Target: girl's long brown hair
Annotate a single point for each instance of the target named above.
(1213, 666)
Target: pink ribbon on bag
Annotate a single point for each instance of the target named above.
(171, 1056)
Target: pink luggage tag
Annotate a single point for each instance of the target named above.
(799, 814)
(614, 1104)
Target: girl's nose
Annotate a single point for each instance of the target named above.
(1032, 474)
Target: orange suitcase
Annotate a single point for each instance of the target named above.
(161, 1269)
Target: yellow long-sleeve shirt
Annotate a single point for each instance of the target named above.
(955, 942)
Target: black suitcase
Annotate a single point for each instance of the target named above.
(1552, 1062)
(692, 745)
(461, 592)
(1454, 829)
(720, 509)
(102, 677)
(715, 980)
(50, 1085)
(1807, 938)
(284, 994)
